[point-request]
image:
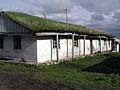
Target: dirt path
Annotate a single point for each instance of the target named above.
(21, 82)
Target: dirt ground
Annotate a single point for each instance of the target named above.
(21, 82)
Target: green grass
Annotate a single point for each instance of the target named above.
(38, 24)
(100, 72)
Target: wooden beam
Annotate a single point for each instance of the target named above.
(51, 33)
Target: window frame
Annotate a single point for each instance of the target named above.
(55, 43)
(76, 44)
(17, 42)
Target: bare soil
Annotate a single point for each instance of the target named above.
(21, 82)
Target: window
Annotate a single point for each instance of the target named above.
(76, 43)
(17, 42)
(1, 43)
(55, 43)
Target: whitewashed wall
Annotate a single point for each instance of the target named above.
(43, 50)
(87, 47)
(103, 46)
(63, 48)
(117, 47)
(28, 51)
(69, 48)
(40, 50)
(81, 47)
(96, 46)
(46, 52)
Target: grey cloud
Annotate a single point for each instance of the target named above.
(1, 9)
(112, 27)
(54, 6)
(117, 15)
(100, 6)
(97, 17)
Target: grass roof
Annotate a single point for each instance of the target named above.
(38, 24)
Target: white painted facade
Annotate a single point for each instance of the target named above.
(46, 52)
(96, 46)
(40, 49)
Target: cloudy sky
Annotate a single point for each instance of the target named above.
(101, 14)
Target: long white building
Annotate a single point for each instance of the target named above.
(18, 40)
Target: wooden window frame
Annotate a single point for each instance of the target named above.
(76, 43)
(55, 43)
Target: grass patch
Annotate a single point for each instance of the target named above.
(37, 24)
(100, 72)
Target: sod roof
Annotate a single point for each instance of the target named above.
(38, 24)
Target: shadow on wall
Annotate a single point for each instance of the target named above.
(109, 66)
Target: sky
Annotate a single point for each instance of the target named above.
(100, 14)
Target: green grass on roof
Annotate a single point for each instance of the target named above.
(38, 24)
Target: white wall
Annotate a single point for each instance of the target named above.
(117, 47)
(69, 48)
(37, 49)
(96, 46)
(87, 47)
(46, 52)
(81, 47)
(109, 46)
(28, 51)
(43, 50)
(63, 48)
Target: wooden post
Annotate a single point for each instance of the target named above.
(91, 46)
(106, 44)
(84, 44)
(1, 22)
(113, 45)
(72, 45)
(57, 48)
(67, 47)
(51, 48)
(100, 45)
(79, 47)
